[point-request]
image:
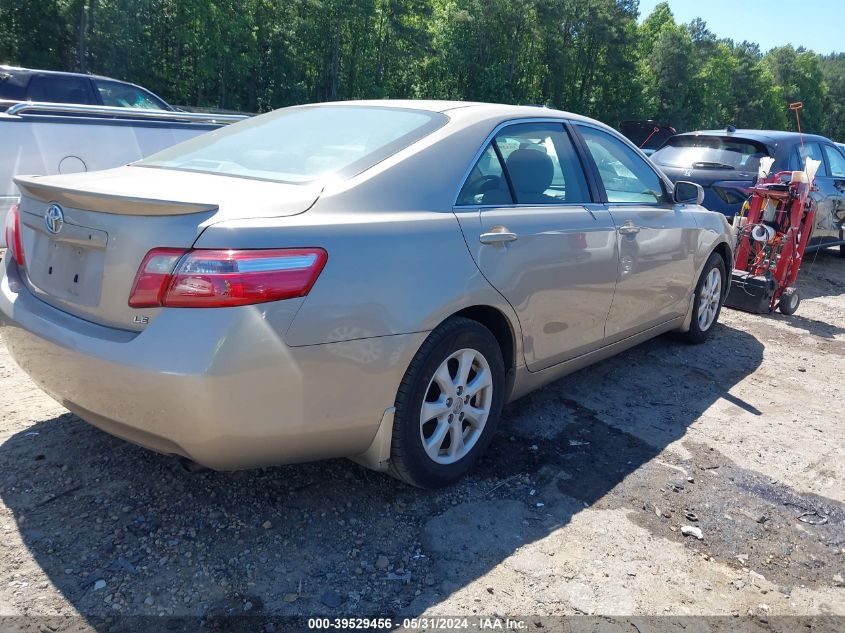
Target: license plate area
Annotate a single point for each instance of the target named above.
(68, 267)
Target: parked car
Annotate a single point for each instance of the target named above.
(725, 164)
(50, 86)
(647, 135)
(363, 279)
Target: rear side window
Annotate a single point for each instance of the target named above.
(711, 152)
(61, 89)
(540, 167)
(625, 174)
(802, 152)
(121, 95)
(836, 161)
(302, 144)
(486, 183)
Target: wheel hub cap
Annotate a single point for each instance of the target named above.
(709, 299)
(456, 406)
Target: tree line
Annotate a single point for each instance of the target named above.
(593, 58)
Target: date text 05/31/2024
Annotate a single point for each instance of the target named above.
(426, 624)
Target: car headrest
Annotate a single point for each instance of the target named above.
(531, 171)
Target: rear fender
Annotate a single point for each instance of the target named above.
(387, 273)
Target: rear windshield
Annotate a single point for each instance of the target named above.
(710, 152)
(302, 144)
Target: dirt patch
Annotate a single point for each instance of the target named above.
(571, 512)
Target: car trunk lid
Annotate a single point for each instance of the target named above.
(725, 165)
(84, 257)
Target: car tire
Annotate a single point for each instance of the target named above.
(711, 289)
(448, 405)
(789, 301)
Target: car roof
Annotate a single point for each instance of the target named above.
(15, 70)
(761, 136)
(470, 108)
(37, 71)
(435, 105)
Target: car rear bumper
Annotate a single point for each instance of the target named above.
(217, 386)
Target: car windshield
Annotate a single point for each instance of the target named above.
(710, 152)
(301, 144)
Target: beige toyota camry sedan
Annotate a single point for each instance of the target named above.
(372, 280)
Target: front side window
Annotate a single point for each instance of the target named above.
(625, 174)
(120, 95)
(301, 144)
(836, 161)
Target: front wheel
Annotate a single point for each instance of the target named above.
(707, 304)
(448, 404)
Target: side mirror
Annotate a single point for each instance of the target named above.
(688, 193)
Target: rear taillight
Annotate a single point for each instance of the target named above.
(13, 235)
(154, 276)
(223, 278)
(732, 195)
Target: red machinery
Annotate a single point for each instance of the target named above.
(771, 243)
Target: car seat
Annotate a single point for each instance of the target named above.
(531, 174)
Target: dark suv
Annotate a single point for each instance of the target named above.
(24, 84)
(725, 164)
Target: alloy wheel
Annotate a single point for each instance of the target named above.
(456, 406)
(709, 299)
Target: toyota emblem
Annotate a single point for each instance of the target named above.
(54, 219)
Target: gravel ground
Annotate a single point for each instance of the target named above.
(579, 507)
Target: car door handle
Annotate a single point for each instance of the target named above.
(628, 229)
(497, 235)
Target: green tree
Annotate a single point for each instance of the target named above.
(592, 58)
(659, 18)
(755, 100)
(798, 73)
(672, 69)
(589, 56)
(39, 33)
(833, 71)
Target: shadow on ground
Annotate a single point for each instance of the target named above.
(821, 274)
(119, 530)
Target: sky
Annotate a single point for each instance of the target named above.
(814, 24)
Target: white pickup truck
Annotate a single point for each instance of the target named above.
(53, 138)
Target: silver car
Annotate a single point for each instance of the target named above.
(372, 280)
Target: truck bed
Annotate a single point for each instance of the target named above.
(54, 138)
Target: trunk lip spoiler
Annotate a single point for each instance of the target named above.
(102, 202)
